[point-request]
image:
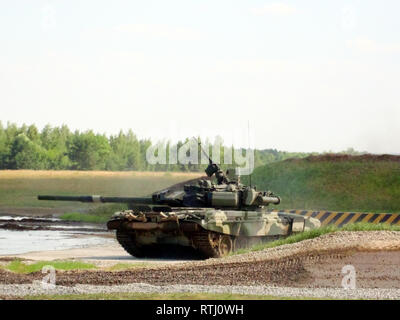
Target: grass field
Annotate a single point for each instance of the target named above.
(351, 184)
(327, 184)
(19, 189)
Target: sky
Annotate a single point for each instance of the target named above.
(308, 76)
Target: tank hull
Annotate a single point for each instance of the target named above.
(211, 232)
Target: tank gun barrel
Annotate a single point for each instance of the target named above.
(97, 199)
(265, 200)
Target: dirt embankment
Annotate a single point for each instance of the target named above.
(312, 263)
(40, 223)
(334, 157)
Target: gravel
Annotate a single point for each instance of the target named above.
(21, 290)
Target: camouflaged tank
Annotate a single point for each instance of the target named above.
(214, 215)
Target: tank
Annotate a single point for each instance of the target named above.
(214, 215)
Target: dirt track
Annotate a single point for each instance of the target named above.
(312, 263)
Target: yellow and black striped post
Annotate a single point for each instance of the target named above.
(341, 218)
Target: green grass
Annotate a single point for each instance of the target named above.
(158, 296)
(97, 215)
(319, 232)
(349, 185)
(18, 266)
(84, 217)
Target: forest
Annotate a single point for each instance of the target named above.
(59, 148)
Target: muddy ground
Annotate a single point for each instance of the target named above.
(308, 264)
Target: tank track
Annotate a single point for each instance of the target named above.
(215, 245)
(127, 241)
(208, 243)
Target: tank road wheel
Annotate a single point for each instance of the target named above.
(213, 239)
(225, 245)
(127, 241)
(212, 244)
(206, 242)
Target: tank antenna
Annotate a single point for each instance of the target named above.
(248, 141)
(201, 148)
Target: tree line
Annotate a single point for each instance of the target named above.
(59, 148)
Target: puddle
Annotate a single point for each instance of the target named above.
(26, 234)
(17, 242)
(21, 218)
